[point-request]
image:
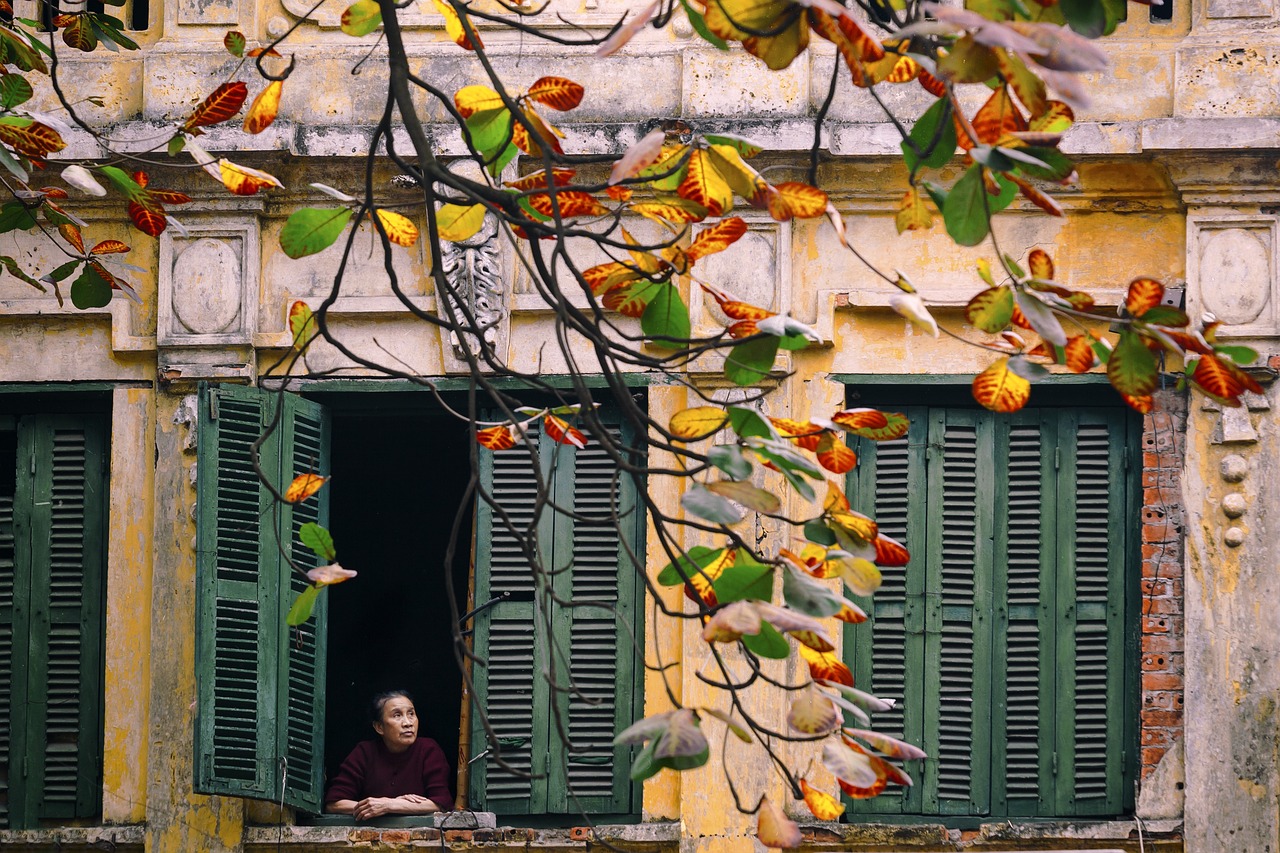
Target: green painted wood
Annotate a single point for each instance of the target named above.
(8, 487)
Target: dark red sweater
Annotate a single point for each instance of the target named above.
(371, 770)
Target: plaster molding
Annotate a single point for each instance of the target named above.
(1232, 272)
(120, 312)
(588, 14)
(361, 307)
(208, 283)
(474, 271)
(758, 272)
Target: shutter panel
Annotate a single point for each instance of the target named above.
(512, 652)
(236, 597)
(8, 579)
(306, 442)
(1094, 732)
(957, 613)
(67, 536)
(886, 651)
(600, 653)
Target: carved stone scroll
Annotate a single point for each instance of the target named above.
(473, 269)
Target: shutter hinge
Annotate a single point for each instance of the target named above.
(1055, 765)
(1057, 457)
(213, 405)
(33, 464)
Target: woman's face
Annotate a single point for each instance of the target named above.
(399, 724)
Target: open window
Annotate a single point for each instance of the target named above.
(279, 707)
(53, 533)
(1008, 642)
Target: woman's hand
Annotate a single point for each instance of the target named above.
(373, 807)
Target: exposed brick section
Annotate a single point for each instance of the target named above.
(1162, 520)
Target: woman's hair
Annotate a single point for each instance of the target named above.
(380, 699)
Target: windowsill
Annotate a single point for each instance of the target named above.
(440, 820)
(117, 837)
(926, 834)
(654, 836)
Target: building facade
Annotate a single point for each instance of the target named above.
(1098, 673)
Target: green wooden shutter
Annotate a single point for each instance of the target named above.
(512, 649)
(8, 612)
(528, 638)
(260, 685)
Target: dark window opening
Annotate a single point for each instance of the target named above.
(1162, 11)
(397, 483)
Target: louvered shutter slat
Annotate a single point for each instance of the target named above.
(8, 466)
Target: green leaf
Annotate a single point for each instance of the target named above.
(15, 216)
(1166, 315)
(126, 185)
(1008, 192)
(508, 154)
(744, 580)
(1117, 12)
(809, 596)
(177, 144)
(302, 606)
(730, 459)
(233, 41)
(14, 90)
(1028, 370)
(700, 27)
(748, 422)
(768, 643)
(793, 342)
(666, 316)
(1132, 367)
(923, 133)
(65, 270)
(697, 557)
(965, 211)
(1057, 166)
(969, 62)
(319, 540)
(13, 166)
(991, 309)
(361, 18)
(15, 269)
(1087, 17)
(490, 131)
(749, 362)
(937, 193)
(645, 765)
(1240, 355)
(707, 505)
(746, 147)
(90, 290)
(818, 533)
(310, 230)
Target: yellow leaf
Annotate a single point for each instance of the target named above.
(301, 322)
(264, 109)
(823, 805)
(912, 214)
(400, 229)
(859, 575)
(703, 184)
(242, 180)
(744, 180)
(453, 26)
(303, 487)
(773, 828)
(698, 423)
(459, 223)
(475, 99)
(1000, 389)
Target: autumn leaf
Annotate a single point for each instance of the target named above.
(912, 213)
(887, 745)
(872, 423)
(813, 713)
(823, 805)
(147, 218)
(558, 93)
(561, 433)
(1144, 294)
(717, 238)
(303, 487)
(1079, 354)
(999, 389)
(329, 575)
(697, 423)
(501, 437)
(470, 100)
(834, 455)
(1131, 367)
(1222, 379)
(234, 42)
(223, 104)
(1040, 265)
(361, 18)
(243, 180)
(795, 200)
(109, 247)
(71, 233)
(826, 665)
(890, 552)
(301, 322)
(400, 229)
(637, 157)
(773, 828)
(991, 310)
(571, 203)
(801, 433)
(31, 138)
(456, 222)
(704, 185)
(264, 108)
(453, 26)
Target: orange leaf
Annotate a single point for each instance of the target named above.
(605, 277)
(717, 238)
(823, 805)
(872, 424)
(673, 213)
(538, 180)
(813, 640)
(169, 196)
(557, 92)
(998, 116)
(794, 199)
(243, 180)
(264, 108)
(34, 140)
(851, 613)
(835, 499)
(1141, 404)
(890, 552)
(453, 26)
(802, 433)
(1040, 264)
(109, 247)
(1144, 294)
(1079, 354)
(54, 192)
(855, 46)
(147, 219)
(1042, 200)
(562, 433)
(303, 487)
(619, 193)
(470, 100)
(501, 437)
(774, 829)
(224, 103)
(878, 765)
(1223, 379)
(826, 665)
(400, 229)
(854, 523)
(704, 185)
(572, 203)
(1000, 389)
(72, 235)
(835, 455)
(743, 329)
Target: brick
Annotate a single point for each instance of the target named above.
(453, 835)
(1162, 700)
(1161, 719)
(1161, 681)
(1151, 755)
(364, 835)
(1157, 737)
(395, 836)
(1162, 623)
(1161, 643)
(580, 833)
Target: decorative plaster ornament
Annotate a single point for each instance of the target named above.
(1234, 468)
(1234, 537)
(1234, 505)
(473, 268)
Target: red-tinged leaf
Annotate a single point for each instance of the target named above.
(991, 310)
(835, 501)
(801, 433)
(147, 219)
(855, 46)
(302, 322)
(140, 178)
(1131, 368)
(632, 299)
(303, 487)
(1040, 265)
(854, 792)
(774, 829)
(453, 26)
(704, 185)
(223, 104)
(999, 389)
(664, 212)
(501, 437)
(717, 238)
(605, 277)
(1189, 341)
(64, 20)
(1144, 294)
(835, 455)
(622, 194)
(851, 613)
(54, 192)
(1020, 320)
(886, 745)
(823, 805)
(572, 203)
(538, 180)
(168, 196)
(79, 34)
(234, 42)
(34, 140)
(562, 433)
(813, 640)
(793, 199)
(931, 84)
(470, 100)
(240, 180)
(72, 235)
(1142, 404)
(1042, 200)
(1055, 120)
(877, 766)
(264, 108)
(826, 665)
(1222, 379)
(743, 329)
(872, 424)
(109, 247)
(254, 53)
(997, 117)
(848, 762)
(1080, 356)
(890, 552)
(558, 93)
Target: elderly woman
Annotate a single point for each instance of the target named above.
(398, 773)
